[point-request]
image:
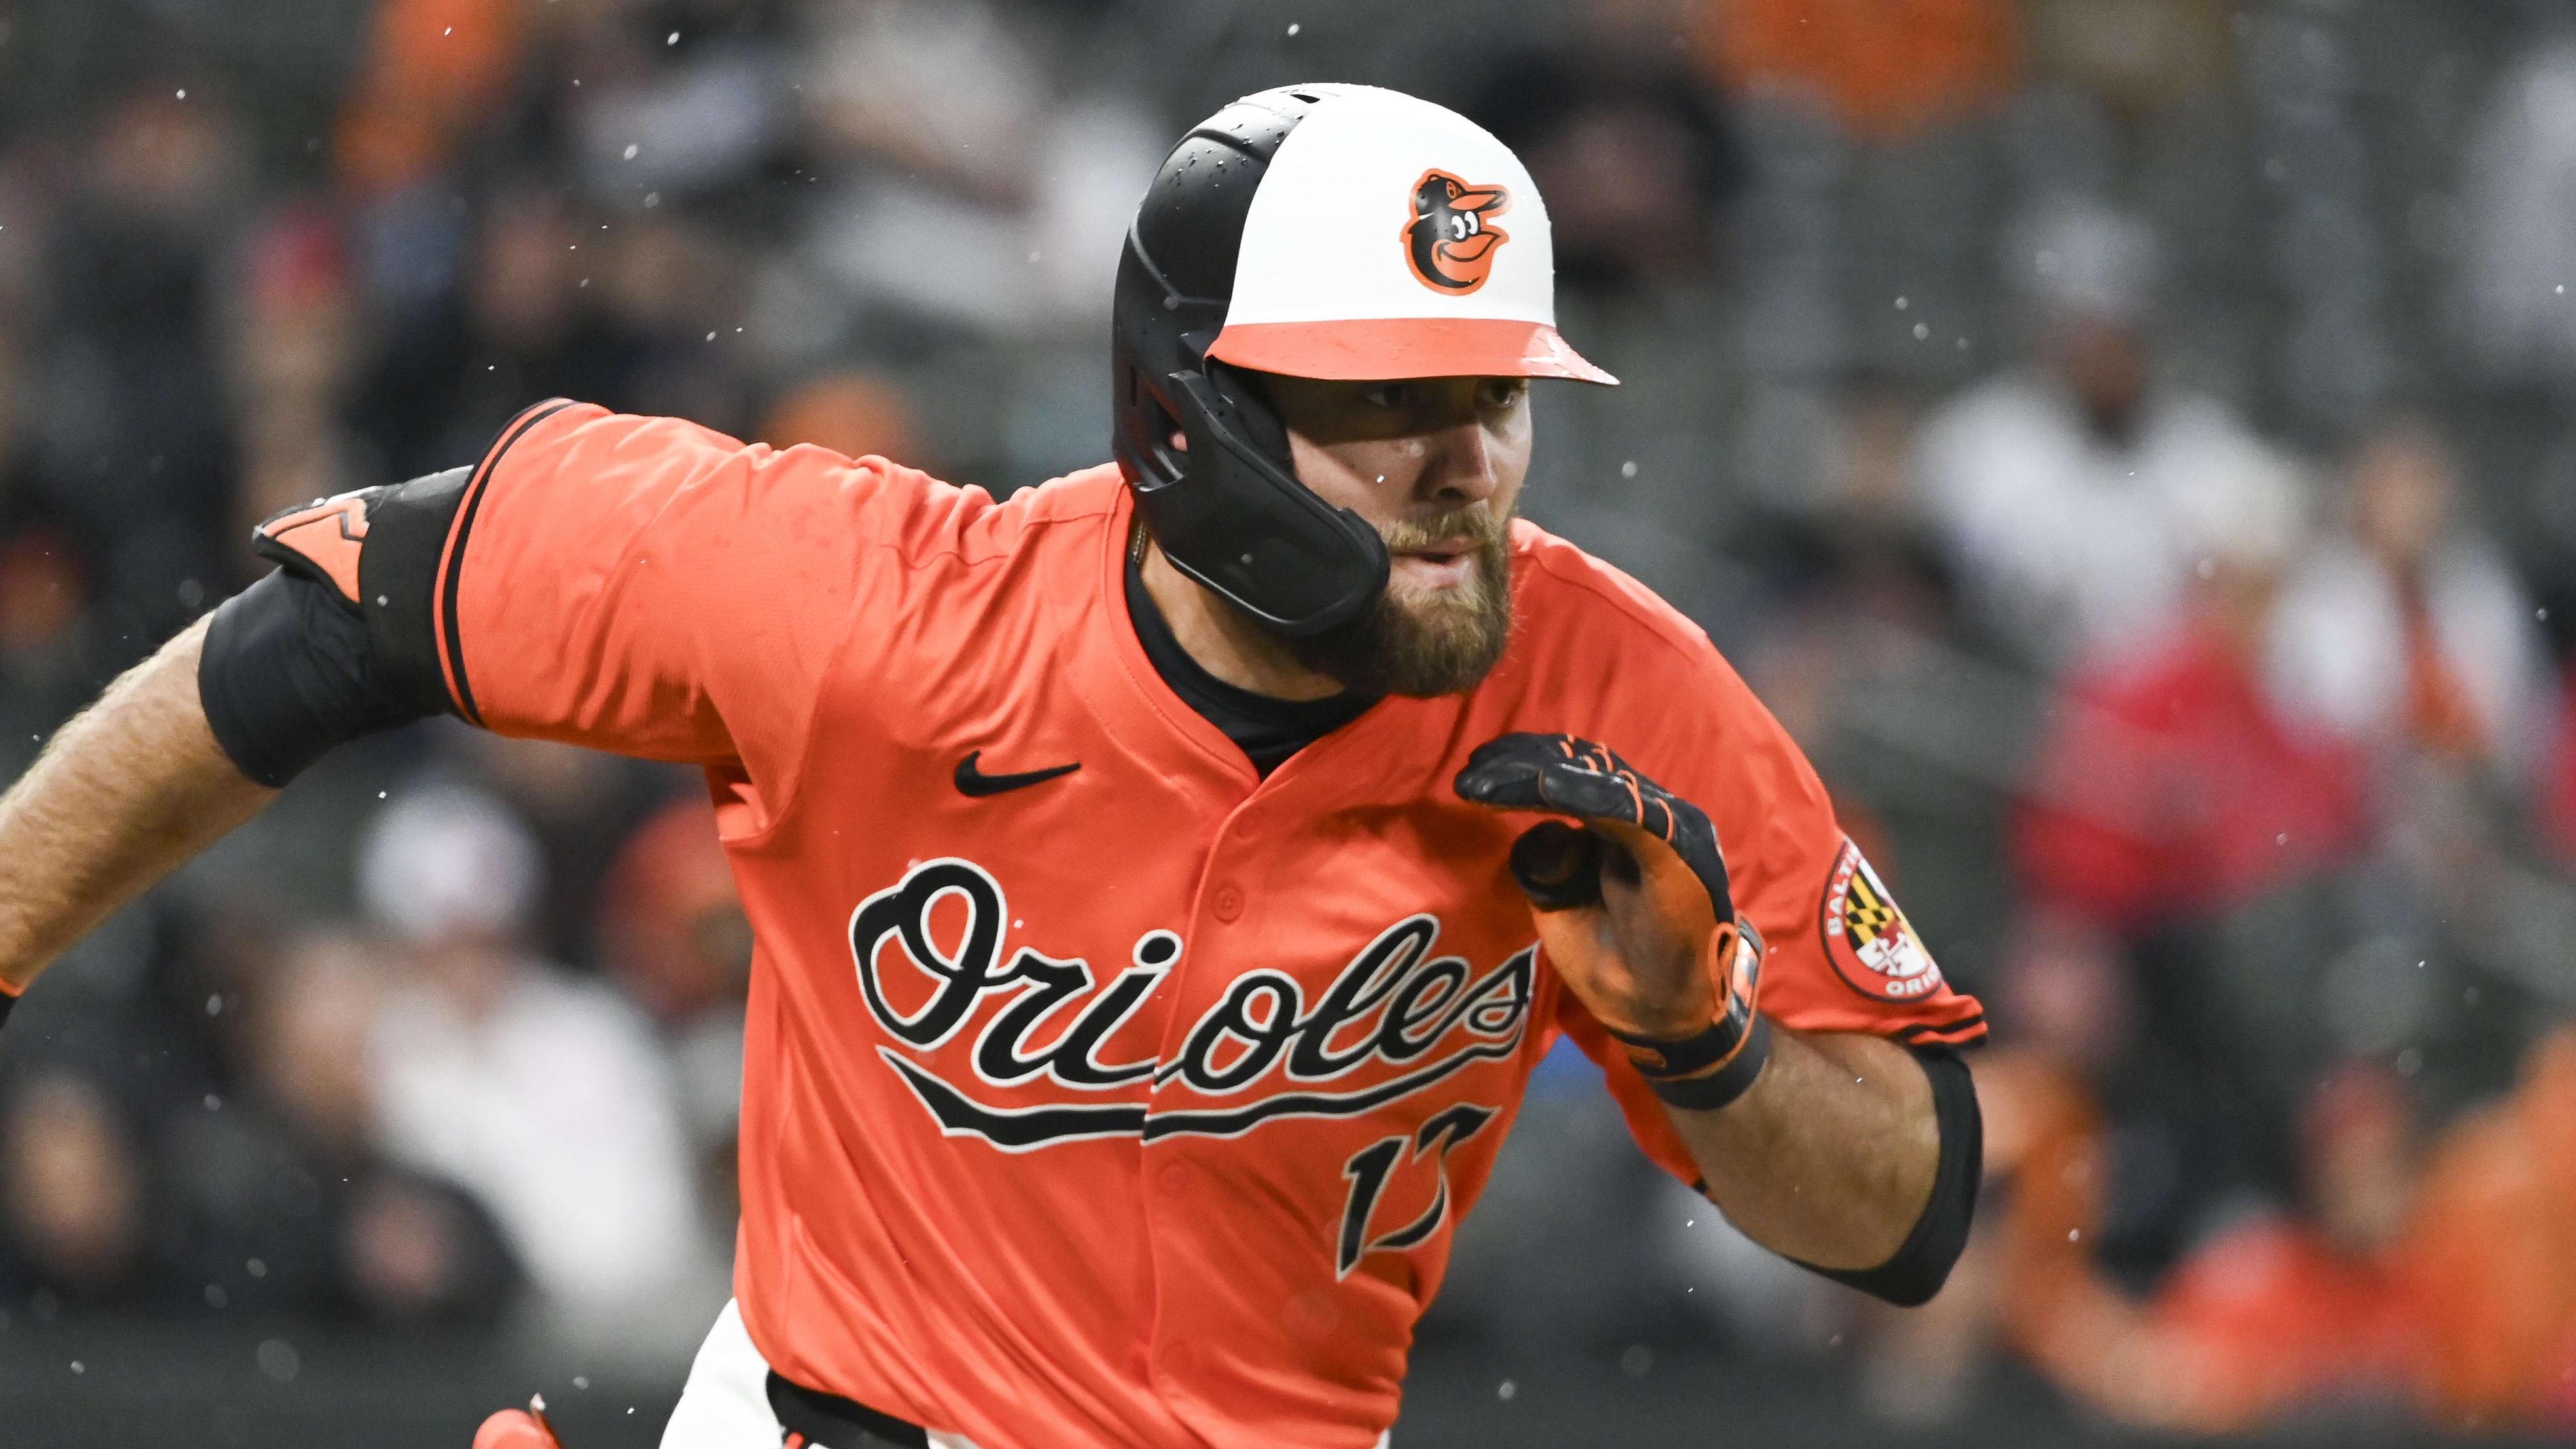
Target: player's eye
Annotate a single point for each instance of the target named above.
(1502, 394)
(1393, 396)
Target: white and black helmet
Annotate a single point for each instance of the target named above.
(1329, 231)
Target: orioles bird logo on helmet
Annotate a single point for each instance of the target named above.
(1450, 242)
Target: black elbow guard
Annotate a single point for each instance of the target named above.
(336, 643)
(1940, 1235)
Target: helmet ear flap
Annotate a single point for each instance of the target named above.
(1240, 523)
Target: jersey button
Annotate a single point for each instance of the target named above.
(1229, 902)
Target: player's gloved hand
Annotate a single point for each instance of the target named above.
(1632, 906)
(518, 1429)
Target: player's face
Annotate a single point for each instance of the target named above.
(1437, 465)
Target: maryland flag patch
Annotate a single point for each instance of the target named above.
(1872, 945)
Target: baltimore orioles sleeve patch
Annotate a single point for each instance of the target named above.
(1872, 946)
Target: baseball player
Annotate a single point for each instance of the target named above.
(1165, 880)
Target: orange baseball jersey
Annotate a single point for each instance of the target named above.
(1101, 1094)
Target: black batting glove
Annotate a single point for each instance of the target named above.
(1631, 902)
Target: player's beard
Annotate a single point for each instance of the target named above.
(1426, 643)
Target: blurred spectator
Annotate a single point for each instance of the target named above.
(2139, 54)
(2308, 1312)
(2515, 250)
(581, 806)
(2558, 804)
(47, 651)
(543, 1096)
(855, 414)
(2406, 630)
(2065, 489)
(433, 70)
(2495, 1253)
(966, 189)
(293, 348)
(285, 1201)
(2127, 1024)
(673, 934)
(677, 100)
(136, 434)
(1629, 148)
(2173, 783)
(75, 1190)
(531, 320)
(1885, 67)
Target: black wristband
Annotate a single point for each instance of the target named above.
(1715, 1090)
(1923, 1262)
(287, 673)
(1657, 1058)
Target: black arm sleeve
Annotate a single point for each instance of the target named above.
(294, 665)
(1923, 1263)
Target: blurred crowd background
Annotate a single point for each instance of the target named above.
(2126, 442)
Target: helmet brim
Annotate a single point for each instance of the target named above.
(1366, 349)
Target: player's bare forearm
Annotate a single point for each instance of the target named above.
(1829, 1158)
(127, 791)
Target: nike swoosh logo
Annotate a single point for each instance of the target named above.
(974, 782)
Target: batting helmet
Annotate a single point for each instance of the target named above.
(1328, 231)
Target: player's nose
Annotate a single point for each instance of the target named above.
(1457, 465)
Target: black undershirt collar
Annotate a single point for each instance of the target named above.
(1267, 730)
